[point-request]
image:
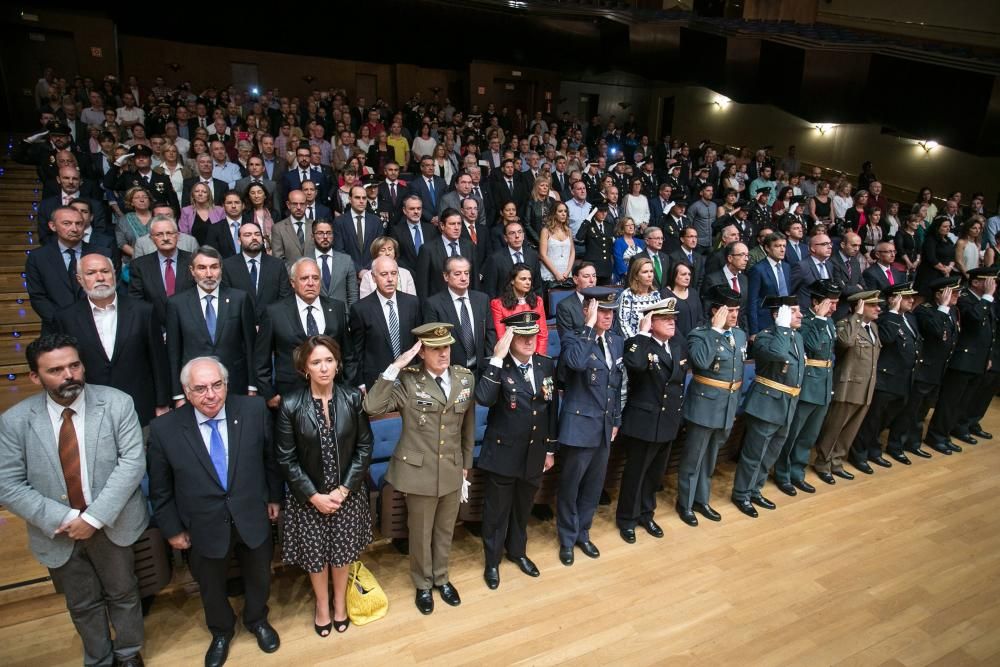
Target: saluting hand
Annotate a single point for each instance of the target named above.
(646, 323)
(720, 317)
(859, 309)
(502, 347)
(990, 286)
(592, 313)
(944, 297)
(403, 360)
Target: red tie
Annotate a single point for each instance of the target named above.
(472, 233)
(169, 279)
(736, 285)
(888, 274)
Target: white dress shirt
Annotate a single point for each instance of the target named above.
(79, 407)
(206, 430)
(106, 321)
(317, 313)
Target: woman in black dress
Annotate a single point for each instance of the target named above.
(324, 447)
(938, 252)
(689, 307)
(907, 248)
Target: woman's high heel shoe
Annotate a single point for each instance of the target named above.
(341, 626)
(323, 630)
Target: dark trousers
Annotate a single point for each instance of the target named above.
(694, 476)
(906, 431)
(506, 508)
(986, 389)
(212, 573)
(645, 466)
(958, 389)
(761, 445)
(802, 434)
(885, 407)
(581, 480)
(99, 583)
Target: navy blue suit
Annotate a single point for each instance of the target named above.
(418, 186)
(49, 285)
(345, 237)
(293, 182)
(50, 204)
(804, 274)
(761, 283)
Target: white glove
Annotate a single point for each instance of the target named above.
(784, 318)
(465, 490)
(123, 159)
(37, 138)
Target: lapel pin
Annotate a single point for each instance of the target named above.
(235, 422)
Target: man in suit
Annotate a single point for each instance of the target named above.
(69, 192)
(469, 313)
(287, 323)
(218, 187)
(597, 234)
(589, 420)
(847, 263)
(50, 271)
(41, 149)
(476, 231)
(380, 323)
(881, 275)
(897, 360)
(771, 277)
(506, 187)
(560, 179)
(256, 176)
(779, 356)
(392, 193)
(224, 235)
(158, 186)
(120, 339)
(305, 171)
(292, 237)
(156, 277)
(815, 266)
(215, 490)
(339, 278)
(462, 191)
(496, 271)
(796, 251)
(255, 272)
(430, 262)
(732, 276)
(211, 320)
(654, 251)
(356, 229)
(438, 409)
(688, 252)
(569, 312)
(657, 365)
(315, 208)
(430, 188)
(105, 242)
(411, 232)
(853, 385)
(519, 445)
(71, 460)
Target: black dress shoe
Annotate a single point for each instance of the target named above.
(267, 638)
(652, 528)
(589, 549)
(761, 501)
(881, 462)
(628, 534)
(707, 512)
(803, 485)
(566, 555)
(787, 488)
(424, 601)
(863, 467)
(978, 431)
(843, 474)
(899, 457)
(491, 575)
(746, 507)
(924, 454)
(218, 651)
(687, 516)
(131, 661)
(940, 448)
(966, 438)
(952, 446)
(525, 565)
(826, 477)
(449, 594)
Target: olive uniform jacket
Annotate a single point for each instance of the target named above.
(778, 355)
(818, 336)
(712, 357)
(438, 432)
(857, 362)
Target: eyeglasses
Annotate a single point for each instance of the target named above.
(322, 233)
(163, 235)
(823, 243)
(202, 389)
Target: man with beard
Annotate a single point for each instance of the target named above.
(71, 460)
(257, 273)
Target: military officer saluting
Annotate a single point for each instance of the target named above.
(656, 361)
(780, 359)
(436, 403)
(518, 386)
(597, 234)
(160, 190)
(716, 354)
(591, 415)
(818, 336)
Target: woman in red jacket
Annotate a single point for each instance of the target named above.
(518, 297)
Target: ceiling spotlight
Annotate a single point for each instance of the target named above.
(823, 128)
(928, 145)
(721, 101)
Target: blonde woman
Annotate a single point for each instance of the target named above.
(386, 245)
(640, 292)
(555, 247)
(173, 168)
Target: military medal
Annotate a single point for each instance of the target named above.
(716, 365)
(423, 419)
(513, 399)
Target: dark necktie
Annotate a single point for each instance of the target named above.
(454, 249)
(440, 384)
(466, 334)
(393, 329)
(311, 328)
(418, 237)
(300, 235)
(71, 266)
(253, 275)
(236, 235)
(392, 192)
(210, 319)
(518, 257)
(169, 278)
(736, 284)
(69, 457)
(326, 272)
(360, 231)
(822, 270)
(604, 352)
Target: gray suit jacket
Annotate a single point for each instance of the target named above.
(285, 243)
(32, 485)
(343, 278)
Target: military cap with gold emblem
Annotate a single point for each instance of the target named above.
(662, 308)
(434, 334)
(606, 297)
(141, 150)
(900, 289)
(868, 296)
(524, 323)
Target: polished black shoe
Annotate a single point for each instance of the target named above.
(899, 457)
(424, 601)
(826, 477)
(491, 575)
(862, 466)
(566, 555)
(449, 594)
(881, 462)
(267, 638)
(761, 501)
(218, 651)
(707, 512)
(652, 528)
(525, 565)
(746, 507)
(965, 437)
(803, 485)
(952, 446)
(921, 453)
(589, 549)
(940, 448)
(787, 488)
(687, 516)
(628, 534)
(978, 431)
(843, 474)
(131, 661)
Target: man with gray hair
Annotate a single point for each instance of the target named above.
(157, 276)
(146, 245)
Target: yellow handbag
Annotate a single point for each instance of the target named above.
(366, 601)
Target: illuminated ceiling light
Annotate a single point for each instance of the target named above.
(721, 101)
(823, 128)
(928, 145)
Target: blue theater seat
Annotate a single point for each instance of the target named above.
(386, 432)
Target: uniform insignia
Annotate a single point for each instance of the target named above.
(465, 380)
(159, 187)
(548, 388)
(423, 419)
(463, 395)
(633, 347)
(716, 366)
(510, 380)
(422, 394)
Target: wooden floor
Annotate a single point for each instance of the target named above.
(900, 568)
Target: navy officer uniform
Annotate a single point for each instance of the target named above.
(780, 360)
(159, 187)
(598, 239)
(989, 384)
(520, 435)
(651, 419)
(818, 337)
(716, 357)
(591, 414)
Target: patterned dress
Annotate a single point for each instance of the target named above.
(313, 540)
